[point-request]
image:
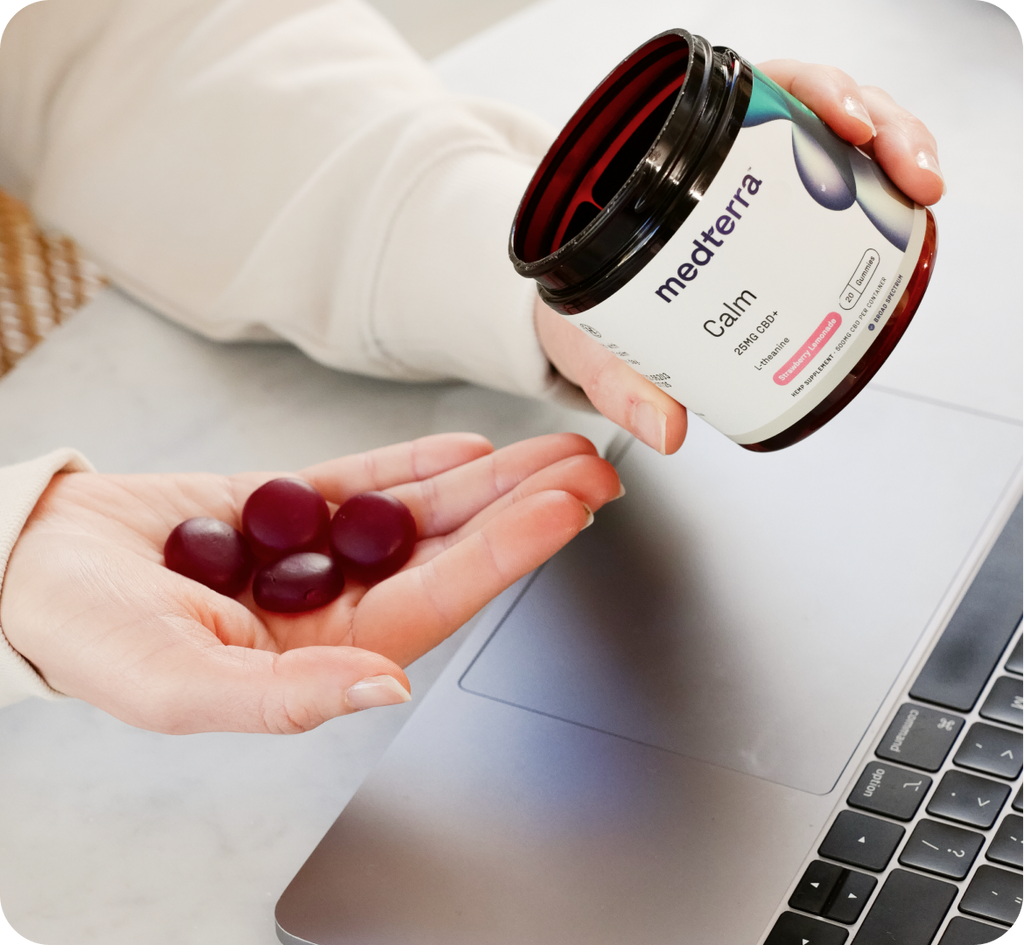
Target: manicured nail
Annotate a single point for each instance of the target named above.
(590, 516)
(375, 691)
(929, 162)
(622, 491)
(650, 425)
(855, 109)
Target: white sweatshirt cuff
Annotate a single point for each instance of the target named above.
(21, 486)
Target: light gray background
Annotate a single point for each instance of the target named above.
(113, 835)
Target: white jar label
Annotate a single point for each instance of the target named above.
(776, 284)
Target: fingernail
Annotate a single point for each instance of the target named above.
(650, 425)
(855, 109)
(929, 162)
(375, 691)
(590, 516)
(622, 491)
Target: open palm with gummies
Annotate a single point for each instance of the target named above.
(88, 600)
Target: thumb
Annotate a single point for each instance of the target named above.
(237, 689)
(612, 386)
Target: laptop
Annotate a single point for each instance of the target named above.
(764, 699)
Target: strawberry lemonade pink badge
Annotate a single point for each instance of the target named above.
(821, 334)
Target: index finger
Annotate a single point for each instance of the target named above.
(869, 118)
(828, 92)
(340, 479)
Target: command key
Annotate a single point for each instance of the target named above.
(920, 737)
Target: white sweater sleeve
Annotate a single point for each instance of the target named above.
(20, 488)
(280, 168)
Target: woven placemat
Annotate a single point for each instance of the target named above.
(43, 280)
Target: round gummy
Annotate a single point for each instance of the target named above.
(372, 536)
(211, 552)
(298, 582)
(283, 517)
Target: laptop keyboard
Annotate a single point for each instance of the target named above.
(928, 846)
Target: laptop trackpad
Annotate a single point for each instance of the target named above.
(753, 610)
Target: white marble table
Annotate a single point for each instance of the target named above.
(113, 835)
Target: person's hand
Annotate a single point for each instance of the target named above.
(88, 601)
(863, 115)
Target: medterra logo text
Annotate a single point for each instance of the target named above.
(712, 238)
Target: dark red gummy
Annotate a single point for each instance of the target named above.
(372, 536)
(211, 552)
(283, 517)
(298, 582)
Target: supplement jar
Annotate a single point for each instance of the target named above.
(708, 229)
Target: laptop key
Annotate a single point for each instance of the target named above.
(941, 848)
(833, 892)
(908, 910)
(816, 885)
(1015, 664)
(968, 799)
(920, 737)
(794, 929)
(851, 897)
(886, 789)
(1006, 844)
(1018, 800)
(961, 931)
(861, 841)
(990, 750)
(1005, 702)
(993, 894)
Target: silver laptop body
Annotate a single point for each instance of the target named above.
(646, 740)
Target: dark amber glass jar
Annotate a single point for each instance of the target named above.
(708, 229)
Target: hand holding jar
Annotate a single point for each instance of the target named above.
(862, 115)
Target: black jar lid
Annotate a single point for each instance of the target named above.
(628, 168)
